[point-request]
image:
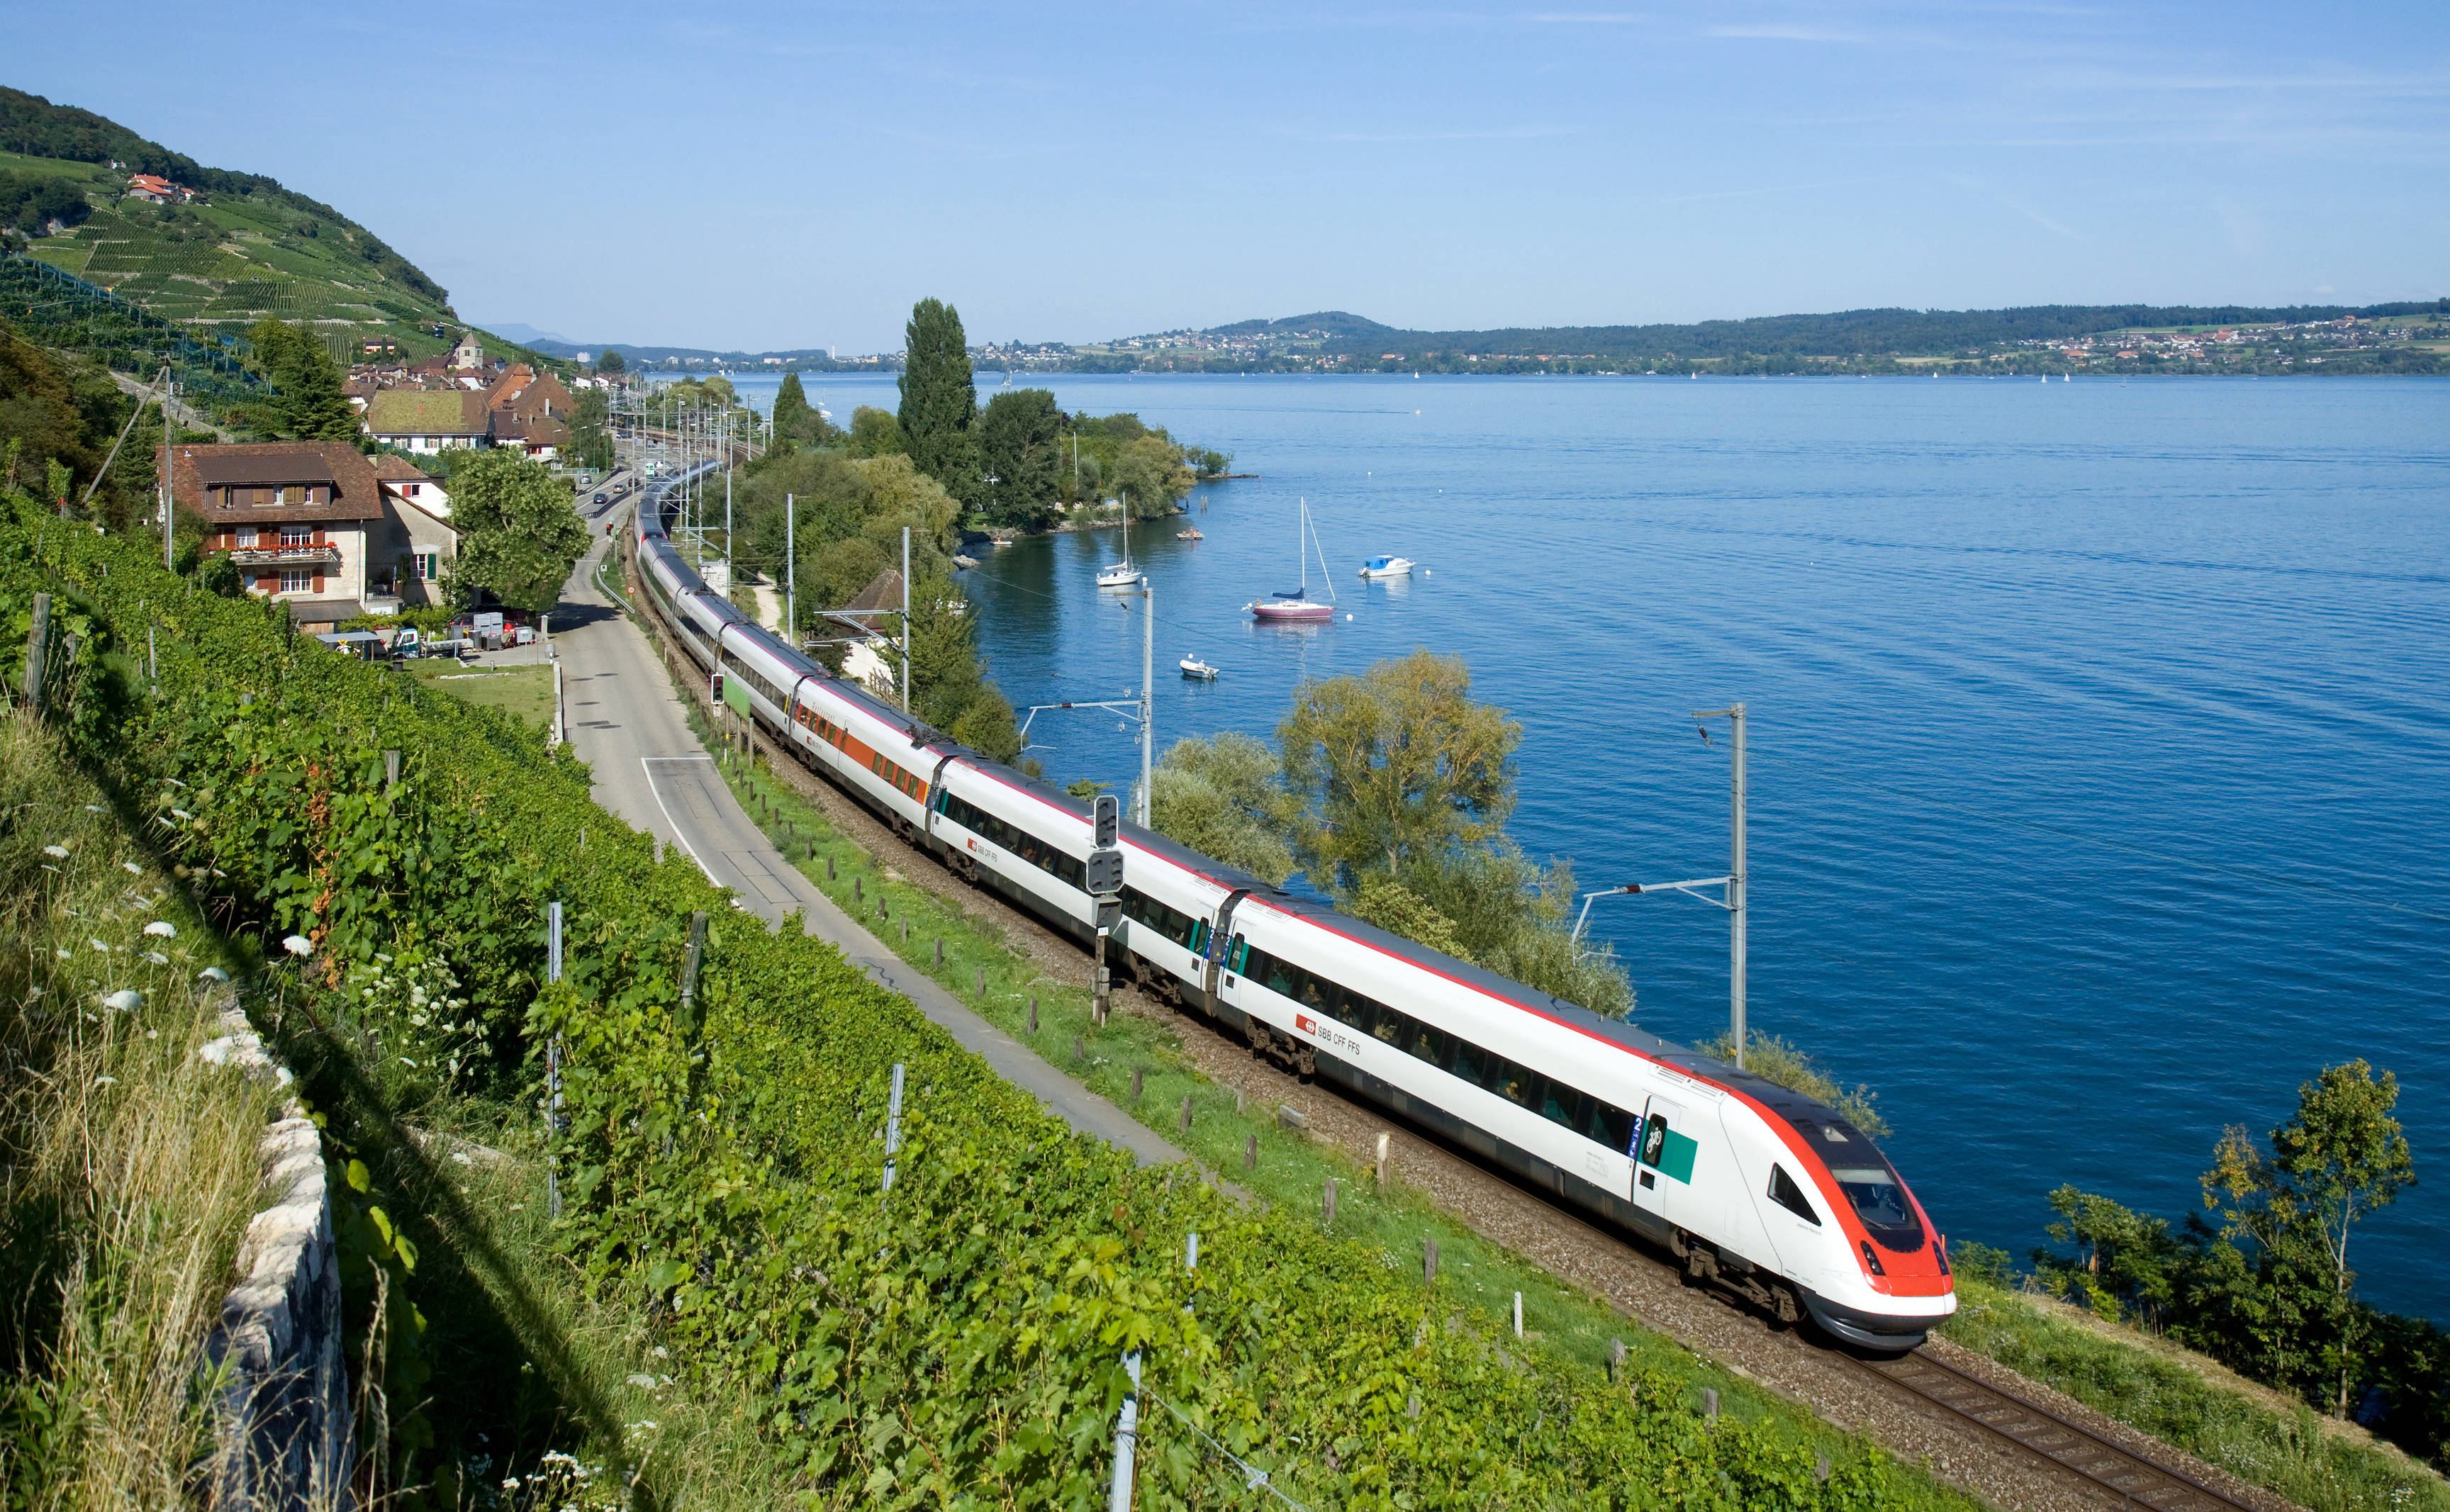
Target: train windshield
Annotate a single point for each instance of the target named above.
(1881, 1203)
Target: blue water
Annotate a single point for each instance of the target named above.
(2098, 745)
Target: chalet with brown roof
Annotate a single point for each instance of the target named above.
(310, 524)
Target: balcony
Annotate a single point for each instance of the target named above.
(286, 556)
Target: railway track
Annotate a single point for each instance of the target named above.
(2112, 1474)
(2081, 1466)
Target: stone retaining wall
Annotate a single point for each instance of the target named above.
(284, 1439)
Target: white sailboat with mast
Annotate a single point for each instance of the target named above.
(1295, 606)
(1122, 573)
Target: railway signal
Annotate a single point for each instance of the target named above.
(1105, 879)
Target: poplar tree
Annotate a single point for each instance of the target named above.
(940, 407)
(794, 418)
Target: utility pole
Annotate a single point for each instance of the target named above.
(162, 483)
(790, 575)
(1148, 664)
(905, 619)
(1735, 716)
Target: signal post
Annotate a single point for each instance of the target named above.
(1105, 880)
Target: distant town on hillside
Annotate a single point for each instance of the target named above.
(2398, 339)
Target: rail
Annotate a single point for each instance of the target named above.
(2109, 1472)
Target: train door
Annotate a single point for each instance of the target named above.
(1662, 1167)
(1220, 955)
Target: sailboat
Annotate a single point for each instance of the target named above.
(1293, 606)
(1122, 573)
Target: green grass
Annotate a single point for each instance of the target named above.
(2287, 1451)
(526, 691)
(1293, 1168)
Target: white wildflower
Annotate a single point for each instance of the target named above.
(56, 852)
(164, 928)
(105, 1081)
(127, 1000)
(299, 945)
(215, 973)
(99, 945)
(132, 870)
(155, 957)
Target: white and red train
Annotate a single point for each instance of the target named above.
(1752, 1186)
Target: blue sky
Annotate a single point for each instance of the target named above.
(766, 175)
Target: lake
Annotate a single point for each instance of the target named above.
(2099, 763)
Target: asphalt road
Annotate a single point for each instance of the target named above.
(626, 721)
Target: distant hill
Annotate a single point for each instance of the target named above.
(2398, 338)
(1844, 333)
(247, 248)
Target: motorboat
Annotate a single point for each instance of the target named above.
(1388, 567)
(1293, 605)
(1188, 533)
(1193, 667)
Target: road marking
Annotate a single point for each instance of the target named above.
(647, 764)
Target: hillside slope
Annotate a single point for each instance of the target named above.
(247, 248)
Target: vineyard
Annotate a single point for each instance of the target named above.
(720, 1148)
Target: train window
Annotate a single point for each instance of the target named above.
(1881, 1203)
(1238, 953)
(1783, 1192)
(1431, 1045)
(1611, 1126)
(1508, 1079)
(1562, 1104)
(1467, 1059)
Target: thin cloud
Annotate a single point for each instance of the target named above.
(1781, 32)
(1497, 134)
(2039, 219)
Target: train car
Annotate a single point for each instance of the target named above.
(1750, 1185)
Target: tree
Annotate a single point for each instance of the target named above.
(2123, 1259)
(1395, 766)
(876, 433)
(940, 405)
(1221, 796)
(519, 535)
(795, 418)
(948, 678)
(590, 430)
(2338, 1158)
(1392, 794)
(1019, 437)
(1149, 474)
(611, 365)
(314, 406)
